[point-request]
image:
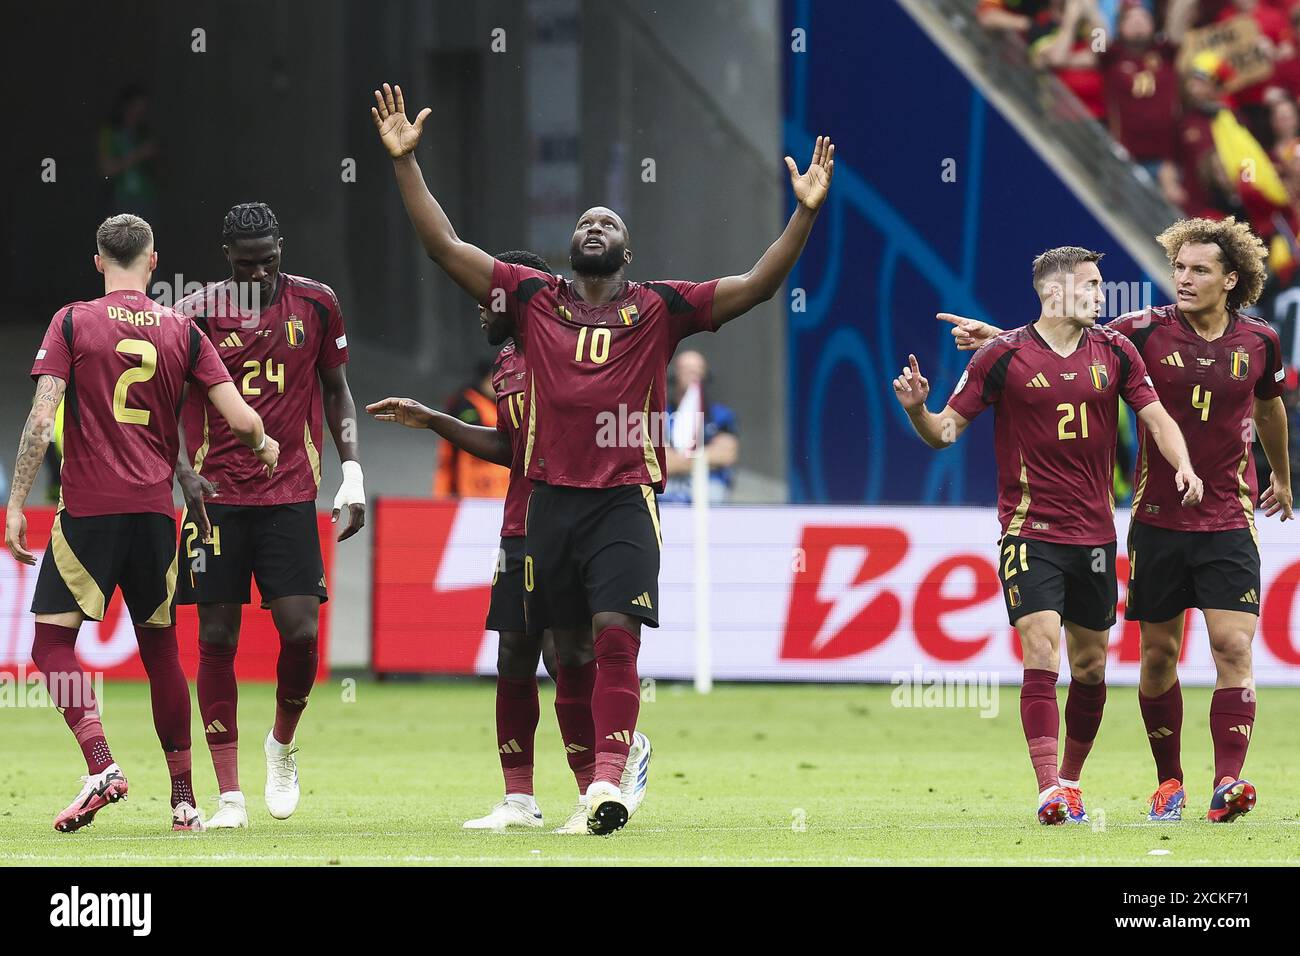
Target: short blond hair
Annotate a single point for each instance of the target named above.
(123, 238)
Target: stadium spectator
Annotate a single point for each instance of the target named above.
(1284, 124)
(1064, 41)
(721, 445)
(1142, 89)
(1012, 17)
(459, 474)
(127, 155)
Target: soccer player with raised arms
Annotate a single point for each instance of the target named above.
(1055, 386)
(288, 353)
(1219, 372)
(120, 364)
(518, 649)
(598, 349)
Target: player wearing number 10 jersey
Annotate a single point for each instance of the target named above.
(1219, 373)
(597, 349)
(288, 356)
(119, 363)
(1055, 387)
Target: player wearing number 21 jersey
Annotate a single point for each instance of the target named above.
(1219, 373)
(1055, 386)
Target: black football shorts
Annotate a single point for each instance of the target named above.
(589, 550)
(1170, 571)
(276, 544)
(88, 557)
(1075, 580)
(506, 609)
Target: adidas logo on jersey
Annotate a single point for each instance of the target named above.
(1250, 597)
(1243, 729)
(574, 748)
(1174, 359)
(1039, 381)
(643, 600)
(511, 746)
(625, 736)
(216, 727)
(232, 341)
(1160, 732)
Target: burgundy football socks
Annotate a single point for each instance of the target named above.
(518, 712)
(295, 673)
(1083, 708)
(218, 706)
(170, 696)
(573, 687)
(1041, 718)
(1163, 717)
(615, 701)
(1232, 719)
(54, 653)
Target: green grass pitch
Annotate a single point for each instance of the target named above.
(751, 774)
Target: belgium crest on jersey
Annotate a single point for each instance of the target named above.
(1100, 377)
(629, 315)
(294, 332)
(1239, 364)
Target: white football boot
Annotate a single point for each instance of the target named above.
(516, 810)
(606, 809)
(281, 778)
(576, 825)
(232, 812)
(636, 773)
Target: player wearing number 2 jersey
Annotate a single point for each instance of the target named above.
(287, 354)
(1219, 374)
(1055, 387)
(597, 349)
(119, 364)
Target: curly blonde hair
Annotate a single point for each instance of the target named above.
(1241, 251)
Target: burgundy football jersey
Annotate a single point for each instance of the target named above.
(1209, 389)
(509, 378)
(125, 360)
(597, 389)
(274, 358)
(1054, 428)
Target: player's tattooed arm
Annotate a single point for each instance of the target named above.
(911, 388)
(467, 265)
(194, 487)
(968, 334)
(489, 444)
(1271, 426)
(36, 438)
(341, 414)
(1173, 448)
(736, 295)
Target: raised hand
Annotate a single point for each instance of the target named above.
(810, 187)
(398, 134)
(403, 411)
(968, 334)
(911, 388)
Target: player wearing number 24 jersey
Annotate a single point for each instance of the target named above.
(287, 351)
(597, 348)
(1055, 387)
(119, 364)
(1219, 372)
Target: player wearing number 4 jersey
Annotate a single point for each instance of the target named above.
(287, 350)
(1055, 386)
(597, 349)
(119, 364)
(1219, 373)
(518, 648)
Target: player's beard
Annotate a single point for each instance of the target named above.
(595, 264)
